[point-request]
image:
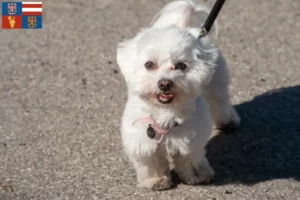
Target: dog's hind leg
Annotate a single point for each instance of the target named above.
(193, 169)
(216, 94)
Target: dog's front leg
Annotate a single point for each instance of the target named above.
(153, 171)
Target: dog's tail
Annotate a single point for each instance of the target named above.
(179, 13)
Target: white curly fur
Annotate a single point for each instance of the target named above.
(200, 95)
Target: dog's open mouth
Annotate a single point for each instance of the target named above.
(165, 97)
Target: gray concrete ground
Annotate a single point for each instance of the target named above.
(61, 97)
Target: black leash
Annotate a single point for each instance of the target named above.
(211, 18)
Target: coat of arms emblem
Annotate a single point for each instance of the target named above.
(32, 21)
(11, 8)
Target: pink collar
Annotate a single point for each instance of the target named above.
(158, 129)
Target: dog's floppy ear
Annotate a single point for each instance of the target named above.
(126, 55)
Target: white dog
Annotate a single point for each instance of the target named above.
(171, 75)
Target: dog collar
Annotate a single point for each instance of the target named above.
(153, 127)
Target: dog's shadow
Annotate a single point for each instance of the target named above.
(267, 145)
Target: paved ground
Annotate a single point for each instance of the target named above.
(61, 97)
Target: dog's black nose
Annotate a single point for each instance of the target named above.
(165, 84)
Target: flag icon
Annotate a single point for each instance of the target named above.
(22, 15)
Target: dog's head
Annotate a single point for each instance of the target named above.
(166, 66)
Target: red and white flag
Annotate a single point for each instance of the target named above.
(32, 8)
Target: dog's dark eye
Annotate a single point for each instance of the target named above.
(180, 66)
(149, 65)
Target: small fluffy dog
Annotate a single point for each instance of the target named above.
(177, 86)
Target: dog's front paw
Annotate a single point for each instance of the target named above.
(198, 175)
(163, 184)
(157, 183)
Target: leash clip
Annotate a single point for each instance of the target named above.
(203, 32)
(211, 18)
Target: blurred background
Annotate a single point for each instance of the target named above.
(62, 96)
